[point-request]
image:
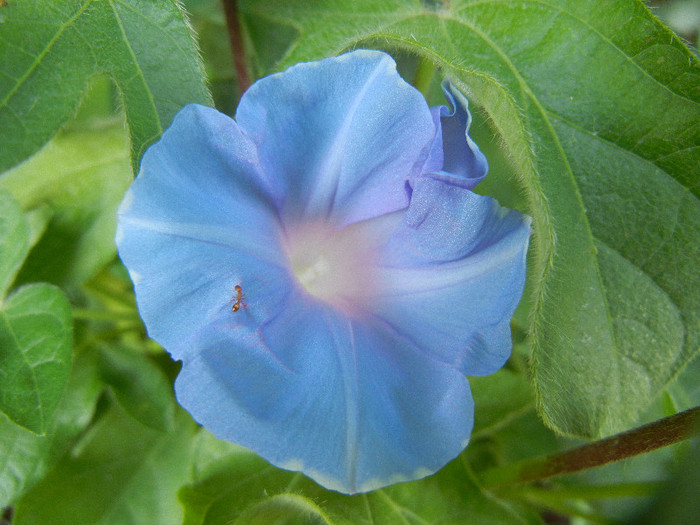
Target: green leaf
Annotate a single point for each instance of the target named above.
(26, 458)
(599, 115)
(233, 485)
(506, 426)
(14, 240)
(142, 389)
(122, 473)
(498, 399)
(35, 362)
(81, 176)
(50, 50)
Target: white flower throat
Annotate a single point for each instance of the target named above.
(339, 265)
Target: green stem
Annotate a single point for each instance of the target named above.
(643, 439)
(424, 76)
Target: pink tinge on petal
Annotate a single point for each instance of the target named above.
(339, 265)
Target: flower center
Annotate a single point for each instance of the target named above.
(339, 266)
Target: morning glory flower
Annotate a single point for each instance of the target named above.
(324, 272)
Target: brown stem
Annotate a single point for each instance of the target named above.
(235, 37)
(643, 439)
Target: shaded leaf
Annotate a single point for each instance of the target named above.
(686, 389)
(123, 473)
(208, 20)
(498, 399)
(142, 389)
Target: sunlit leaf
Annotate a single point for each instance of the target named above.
(14, 240)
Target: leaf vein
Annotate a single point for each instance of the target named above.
(139, 72)
(43, 53)
(583, 22)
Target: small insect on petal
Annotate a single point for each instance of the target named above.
(239, 298)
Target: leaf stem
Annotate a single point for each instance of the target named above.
(424, 76)
(236, 39)
(643, 439)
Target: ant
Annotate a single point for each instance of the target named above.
(239, 299)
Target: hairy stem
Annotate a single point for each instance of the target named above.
(236, 39)
(643, 439)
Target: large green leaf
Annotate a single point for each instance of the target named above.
(49, 50)
(597, 106)
(233, 485)
(122, 473)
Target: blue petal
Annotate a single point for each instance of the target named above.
(356, 399)
(463, 163)
(196, 222)
(348, 401)
(339, 137)
(452, 275)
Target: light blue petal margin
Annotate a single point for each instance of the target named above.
(452, 275)
(349, 402)
(339, 137)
